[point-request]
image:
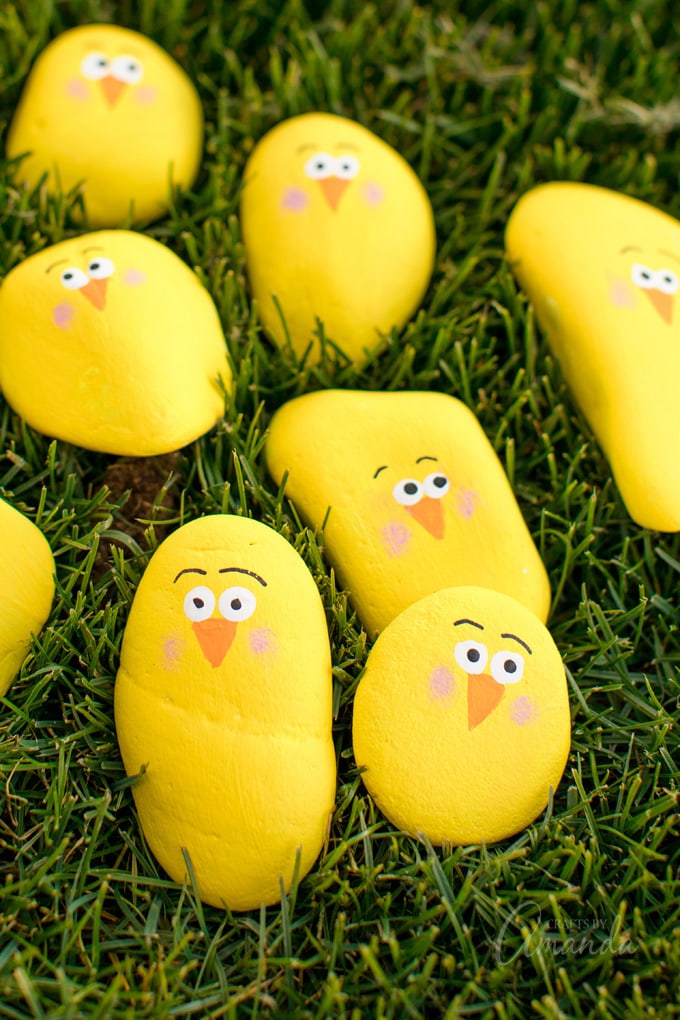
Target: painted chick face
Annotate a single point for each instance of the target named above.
(654, 277)
(421, 498)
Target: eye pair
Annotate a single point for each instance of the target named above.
(235, 604)
(125, 68)
(98, 269)
(506, 667)
(408, 491)
(322, 165)
(664, 280)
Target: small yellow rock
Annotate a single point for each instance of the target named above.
(108, 107)
(603, 272)
(223, 707)
(418, 499)
(110, 341)
(461, 718)
(337, 227)
(26, 589)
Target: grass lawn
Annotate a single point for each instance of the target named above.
(579, 915)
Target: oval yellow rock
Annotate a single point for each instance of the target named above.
(223, 707)
(603, 271)
(108, 108)
(418, 499)
(26, 588)
(110, 341)
(338, 228)
(461, 717)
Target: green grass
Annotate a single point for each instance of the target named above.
(579, 916)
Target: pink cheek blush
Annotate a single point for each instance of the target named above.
(294, 199)
(146, 94)
(134, 277)
(263, 641)
(442, 683)
(62, 315)
(621, 294)
(374, 193)
(77, 89)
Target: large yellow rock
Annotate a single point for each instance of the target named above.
(461, 718)
(111, 342)
(418, 499)
(26, 589)
(108, 107)
(337, 227)
(223, 708)
(602, 271)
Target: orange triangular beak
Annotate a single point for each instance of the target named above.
(112, 89)
(333, 188)
(95, 292)
(662, 302)
(483, 696)
(215, 637)
(430, 513)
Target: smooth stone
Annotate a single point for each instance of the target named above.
(223, 710)
(26, 589)
(602, 271)
(338, 228)
(111, 342)
(418, 498)
(108, 108)
(461, 718)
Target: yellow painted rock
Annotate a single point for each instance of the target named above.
(111, 342)
(108, 107)
(461, 718)
(223, 709)
(26, 589)
(602, 271)
(337, 227)
(418, 499)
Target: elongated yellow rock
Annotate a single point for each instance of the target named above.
(108, 108)
(418, 499)
(602, 271)
(111, 342)
(223, 710)
(26, 589)
(337, 228)
(461, 718)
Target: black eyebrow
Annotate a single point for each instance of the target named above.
(426, 457)
(457, 623)
(57, 263)
(523, 643)
(242, 570)
(95, 247)
(347, 145)
(307, 145)
(190, 570)
(629, 247)
(378, 470)
(664, 251)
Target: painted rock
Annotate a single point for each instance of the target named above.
(418, 499)
(26, 589)
(111, 342)
(337, 228)
(609, 304)
(223, 708)
(461, 717)
(108, 108)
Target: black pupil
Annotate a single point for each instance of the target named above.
(68, 276)
(410, 488)
(236, 604)
(440, 481)
(510, 666)
(132, 67)
(473, 655)
(646, 276)
(94, 265)
(102, 62)
(320, 165)
(199, 603)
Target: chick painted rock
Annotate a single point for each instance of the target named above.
(418, 499)
(461, 717)
(26, 589)
(337, 228)
(602, 271)
(110, 341)
(108, 108)
(223, 710)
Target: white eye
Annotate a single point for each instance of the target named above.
(95, 66)
(408, 492)
(471, 656)
(643, 276)
(319, 165)
(199, 604)
(666, 280)
(436, 485)
(127, 69)
(507, 667)
(237, 604)
(100, 269)
(73, 279)
(346, 167)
